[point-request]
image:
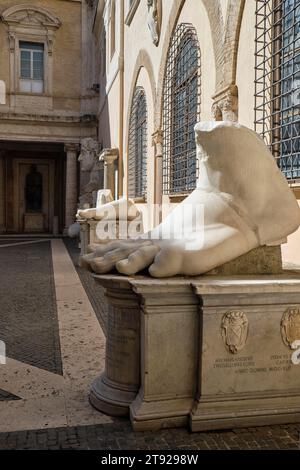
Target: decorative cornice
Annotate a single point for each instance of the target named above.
(87, 118)
(32, 15)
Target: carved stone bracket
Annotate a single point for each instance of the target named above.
(12, 41)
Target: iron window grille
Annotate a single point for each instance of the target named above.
(277, 81)
(137, 149)
(181, 111)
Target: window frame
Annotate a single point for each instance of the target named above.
(173, 184)
(137, 161)
(31, 79)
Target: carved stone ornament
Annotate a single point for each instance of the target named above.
(30, 15)
(154, 20)
(234, 329)
(290, 325)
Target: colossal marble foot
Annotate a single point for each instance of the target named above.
(122, 209)
(243, 202)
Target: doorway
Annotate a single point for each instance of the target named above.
(34, 198)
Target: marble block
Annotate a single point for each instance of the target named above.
(260, 260)
(206, 352)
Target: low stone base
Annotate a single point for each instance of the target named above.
(214, 352)
(110, 400)
(34, 222)
(261, 260)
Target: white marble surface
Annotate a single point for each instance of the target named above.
(242, 201)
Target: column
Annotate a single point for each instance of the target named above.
(108, 156)
(71, 184)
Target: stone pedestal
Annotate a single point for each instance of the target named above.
(246, 376)
(116, 388)
(212, 352)
(34, 222)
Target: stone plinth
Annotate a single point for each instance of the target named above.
(211, 352)
(261, 260)
(116, 388)
(34, 222)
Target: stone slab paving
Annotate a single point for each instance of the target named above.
(28, 319)
(119, 436)
(44, 308)
(94, 292)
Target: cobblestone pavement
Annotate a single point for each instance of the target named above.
(119, 436)
(90, 430)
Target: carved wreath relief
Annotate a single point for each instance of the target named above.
(234, 330)
(290, 325)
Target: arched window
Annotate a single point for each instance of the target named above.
(181, 111)
(137, 151)
(277, 81)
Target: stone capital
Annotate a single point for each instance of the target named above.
(157, 142)
(71, 147)
(225, 104)
(157, 137)
(108, 156)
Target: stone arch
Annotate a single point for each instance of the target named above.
(232, 34)
(217, 31)
(143, 61)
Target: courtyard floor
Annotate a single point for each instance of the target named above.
(52, 320)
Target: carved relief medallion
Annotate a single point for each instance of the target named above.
(234, 329)
(290, 325)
